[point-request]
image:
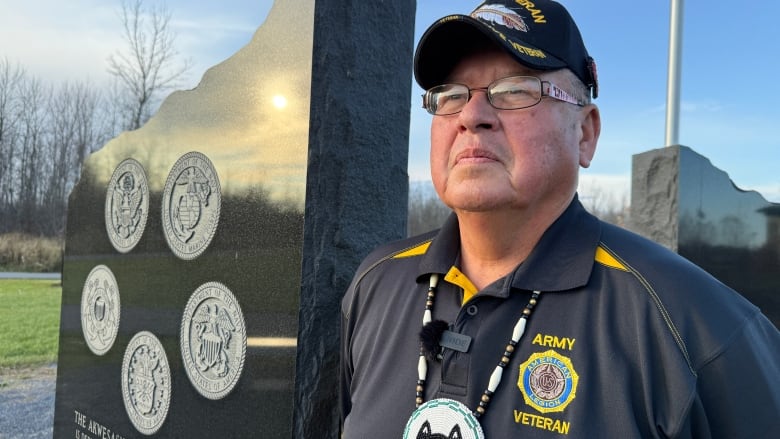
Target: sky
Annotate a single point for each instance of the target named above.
(729, 94)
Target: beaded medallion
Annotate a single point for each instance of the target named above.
(443, 418)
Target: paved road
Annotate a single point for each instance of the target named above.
(16, 275)
(27, 403)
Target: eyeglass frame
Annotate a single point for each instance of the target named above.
(552, 91)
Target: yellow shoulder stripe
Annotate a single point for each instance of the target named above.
(414, 251)
(605, 258)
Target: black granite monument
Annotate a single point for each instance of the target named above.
(207, 252)
(679, 199)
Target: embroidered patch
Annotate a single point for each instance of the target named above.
(501, 15)
(548, 381)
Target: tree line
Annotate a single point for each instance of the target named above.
(427, 212)
(48, 130)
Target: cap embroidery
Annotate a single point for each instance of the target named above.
(501, 15)
(595, 75)
(530, 7)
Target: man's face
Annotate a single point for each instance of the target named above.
(484, 159)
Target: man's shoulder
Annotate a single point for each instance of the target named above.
(702, 311)
(402, 249)
(640, 253)
(674, 281)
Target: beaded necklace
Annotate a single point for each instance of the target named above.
(495, 377)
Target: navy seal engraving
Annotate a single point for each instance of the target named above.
(213, 340)
(127, 205)
(100, 309)
(146, 383)
(191, 205)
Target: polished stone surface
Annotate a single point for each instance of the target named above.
(258, 150)
(298, 195)
(682, 201)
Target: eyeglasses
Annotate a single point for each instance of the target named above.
(511, 93)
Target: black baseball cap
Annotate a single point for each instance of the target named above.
(539, 34)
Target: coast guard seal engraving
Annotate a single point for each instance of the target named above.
(127, 205)
(213, 340)
(100, 309)
(146, 382)
(191, 203)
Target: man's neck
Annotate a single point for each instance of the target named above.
(495, 243)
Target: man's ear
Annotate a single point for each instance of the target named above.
(590, 128)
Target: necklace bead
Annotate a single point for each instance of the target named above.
(495, 377)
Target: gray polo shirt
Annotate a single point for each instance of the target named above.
(628, 340)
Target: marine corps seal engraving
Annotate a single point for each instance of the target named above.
(191, 203)
(146, 382)
(213, 340)
(127, 205)
(548, 381)
(100, 309)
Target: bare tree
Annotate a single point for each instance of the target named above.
(426, 211)
(46, 133)
(32, 125)
(149, 65)
(74, 131)
(10, 81)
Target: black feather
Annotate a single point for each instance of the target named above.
(430, 337)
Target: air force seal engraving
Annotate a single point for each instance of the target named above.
(127, 205)
(548, 381)
(100, 310)
(191, 203)
(146, 383)
(213, 340)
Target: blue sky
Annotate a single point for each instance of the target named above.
(729, 91)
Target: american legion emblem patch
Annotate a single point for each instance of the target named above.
(548, 381)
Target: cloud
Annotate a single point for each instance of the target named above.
(59, 41)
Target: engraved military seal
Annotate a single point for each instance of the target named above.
(127, 205)
(191, 203)
(213, 340)
(100, 309)
(146, 382)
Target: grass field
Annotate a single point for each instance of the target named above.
(29, 322)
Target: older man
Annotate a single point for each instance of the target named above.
(525, 316)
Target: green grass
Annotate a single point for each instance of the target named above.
(29, 322)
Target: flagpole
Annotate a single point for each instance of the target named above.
(673, 78)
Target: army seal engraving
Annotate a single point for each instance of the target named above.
(127, 205)
(191, 203)
(100, 309)
(213, 340)
(146, 383)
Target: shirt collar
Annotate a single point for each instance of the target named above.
(561, 260)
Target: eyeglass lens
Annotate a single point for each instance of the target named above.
(505, 94)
